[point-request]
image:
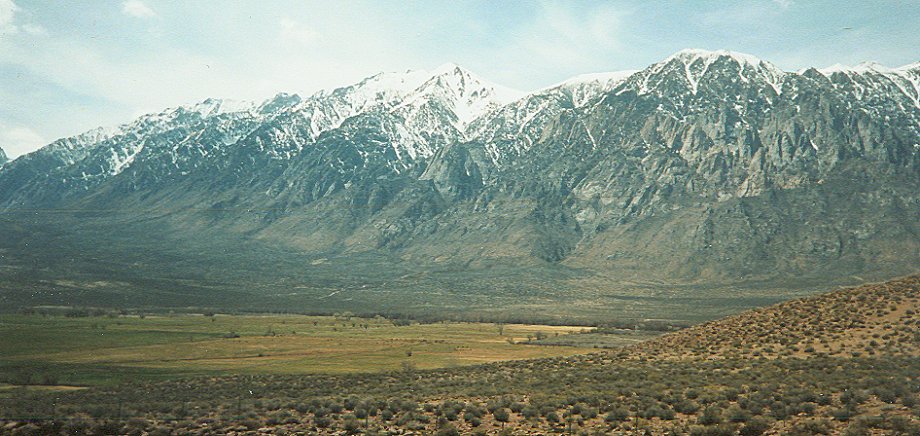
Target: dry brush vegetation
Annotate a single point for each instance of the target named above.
(863, 321)
(841, 363)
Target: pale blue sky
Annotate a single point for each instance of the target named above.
(68, 66)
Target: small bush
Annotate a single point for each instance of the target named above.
(755, 427)
(711, 416)
(617, 415)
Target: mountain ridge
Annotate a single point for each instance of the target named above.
(708, 169)
(211, 106)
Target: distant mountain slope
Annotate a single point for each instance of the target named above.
(709, 169)
(3, 158)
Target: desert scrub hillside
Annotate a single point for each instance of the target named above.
(629, 391)
(589, 395)
(877, 319)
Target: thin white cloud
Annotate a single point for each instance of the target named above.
(783, 3)
(137, 9)
(740, 16)
(34, 29)
(578, 38)
(292, 31)
(11, 21)
(139, 82)
(19, 140)
(8, 11)
(597, 27)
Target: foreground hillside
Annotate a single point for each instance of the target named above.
(696, 381)
(880, 319)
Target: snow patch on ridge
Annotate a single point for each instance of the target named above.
(905, 78)
(861, 68)
(584, 87)
(120, 163)
(696, 63)
(467, 95)
(216, 106)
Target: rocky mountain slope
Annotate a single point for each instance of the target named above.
(3, 158)
(707, 169)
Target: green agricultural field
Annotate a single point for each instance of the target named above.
(58, 350)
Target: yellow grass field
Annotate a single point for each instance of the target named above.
(100, 350)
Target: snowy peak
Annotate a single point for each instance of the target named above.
(417, 111)
(693, 55)
(514, 128)
(3, 158)
(467, 95)
(469, 84)
(582, 88)
(448, 93)
(381, 89)
(914, 68)
(870, 67)
(861, 68)
(206, 108)
(694, 66)
(870, 80)
(390, 87)
(167, 119)
(216, 106)
(279, 102)
(611, 78)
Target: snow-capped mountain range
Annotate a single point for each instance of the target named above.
(705, 164)
(449, 104)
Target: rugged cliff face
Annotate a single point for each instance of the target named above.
(707, 168)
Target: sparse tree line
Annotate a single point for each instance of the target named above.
(400, 318)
